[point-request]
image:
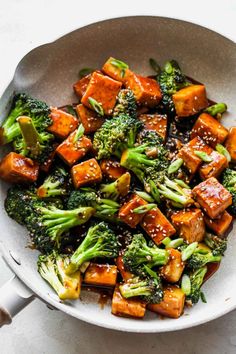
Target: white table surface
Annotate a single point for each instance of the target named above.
(25, 24)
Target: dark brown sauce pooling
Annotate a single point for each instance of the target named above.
(105, 294)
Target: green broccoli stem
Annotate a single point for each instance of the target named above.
(157, 256)
(30, 136)
(50, 189)
(10, 128)
(173, 191)
(135, 288)
(48, 272)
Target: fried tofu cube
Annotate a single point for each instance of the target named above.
(209, 129)
(212, 197)
(215, 167)
(126, 307)
(62, 123)
(15, 168)
(173, 270)
(81, 86)
(115, 71)
(190, 100)
(112, 169)
(157, 122)
(230, 143)
(104, 90)
(172, 304)
(189, 224)
(146, 90)
(220, 225)
(157, 226)
(89, 119)
(86, 173)
(126, 275)
(101, 274)
(127, 214)
(72, 149)
(187, 153)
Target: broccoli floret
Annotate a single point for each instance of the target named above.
(52, 268)
(119, 188)
(199, 259)
(115, 135)
(100, 241)
(171, 79)
(196, 280)
(217, 244)
(56, 184)
(138, 255)
(24, 105)
(126, 104)
(229, 182)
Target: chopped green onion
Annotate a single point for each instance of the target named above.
(203, 297)
(120, 65)
(215, 109)
(144, 208)
(176, 243)
(84, 72)
(71, 110)
(188, 251)
(181, 183)
(96, 106)
(145, 196)
(203, 156)
(109, 202)
(79, 133)
(174, 166)
(166, 241)
(154, 65)
(155, 192)
(186, 284)
(223, 151)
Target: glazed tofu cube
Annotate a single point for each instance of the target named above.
(157, 122)
(146, 91)
(173, 270)
(209, 129)
(126, 275)
(189, 224)
(126, 307)
(89, 119)
(81, 86)
(112, 169)
(127, 214)
(72, 149)
(157, 226)
(86, 173)
(45, 167)
(190, 100)
(187, 153)
(220, 225)
(230, 143)
(172, 304)
(212, 197)
(104, 90)
(15, 168)
(115, 71)
(63, 123)
(215, 167)
(101, 274)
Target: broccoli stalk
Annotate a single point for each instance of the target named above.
(126, 104)
(119, 188)
(229, 182)
(138, 255)
(51, 268)
(199, 259)
(171, 190)
(100, 241)
(56, 184)
(196, 280)
(217, 244)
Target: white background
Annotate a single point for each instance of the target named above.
(25, 24)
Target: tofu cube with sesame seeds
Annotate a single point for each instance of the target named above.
(100, 274)
(187, 153)
(86, 173)
(157, 122)
(190, 100)
(221, 225)
(215, 167)
(81, 86)
(189, 224)
(89, 119)
(103, 90)
(127, 214)
(62, 123)
(146, 90)
(173, 270)
(112, 169)
(209, 129)
(157, 226)
(212, 197)
(125, 274)
(126, 307)
(72, 150)
(230, 143)
(117, 72)
(172, 304)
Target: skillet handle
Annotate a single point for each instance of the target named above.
(14, 296)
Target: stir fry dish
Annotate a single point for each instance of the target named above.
(132, 188)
